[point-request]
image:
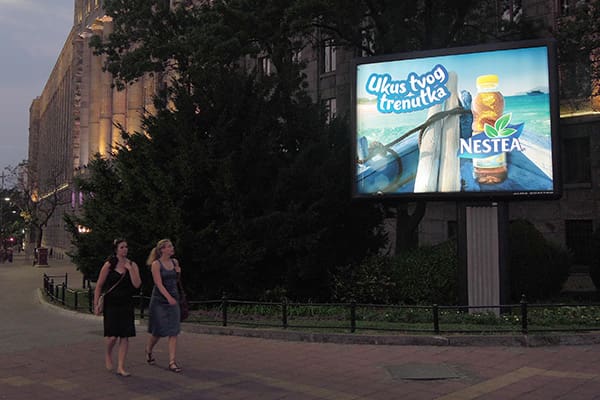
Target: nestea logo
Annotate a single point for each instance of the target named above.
(500, 138)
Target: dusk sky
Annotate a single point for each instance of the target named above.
(32, 33)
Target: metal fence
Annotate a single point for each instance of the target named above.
(355, 317)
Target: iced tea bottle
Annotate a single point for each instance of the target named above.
(487, 107)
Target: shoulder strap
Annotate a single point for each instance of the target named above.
(115, 285)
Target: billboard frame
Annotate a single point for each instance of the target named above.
(476, 196)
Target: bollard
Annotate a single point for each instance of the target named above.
(523, 315)
(353, 316)
(141, 306)
(90, 300)
(436, 318)
(224, 305)
(284, 314)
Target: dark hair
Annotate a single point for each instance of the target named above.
(116, 244)
(113, 260)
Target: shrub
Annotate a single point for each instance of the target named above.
(368, 282)
(425, 275)
(538, 268)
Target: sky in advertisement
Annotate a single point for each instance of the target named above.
(32, 34)
(518, 70)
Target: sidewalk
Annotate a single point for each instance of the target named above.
(48, 354)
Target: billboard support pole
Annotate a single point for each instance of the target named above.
(482, 256)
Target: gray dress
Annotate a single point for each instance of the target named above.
(163, 318)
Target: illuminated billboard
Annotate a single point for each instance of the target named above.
(464, 123)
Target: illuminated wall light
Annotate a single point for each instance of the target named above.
(83, 229)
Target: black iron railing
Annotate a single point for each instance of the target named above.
(355, 317)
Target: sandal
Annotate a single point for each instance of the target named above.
(149, 359)
(173, 367)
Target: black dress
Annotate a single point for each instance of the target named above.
(118, 306)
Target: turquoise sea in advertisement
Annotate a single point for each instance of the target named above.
(415, 119)
(533, 110)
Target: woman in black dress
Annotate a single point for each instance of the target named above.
(119, 279)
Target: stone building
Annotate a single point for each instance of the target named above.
(78, 112)
(77, 116)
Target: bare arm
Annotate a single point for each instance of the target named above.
(159, 284)
(134, 274)
(99, 283)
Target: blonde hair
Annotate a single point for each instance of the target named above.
(156, 252)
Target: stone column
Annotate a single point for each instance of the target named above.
(106, 101)
(84, 101)
(119, 116)
(96, 95)
(135, 103)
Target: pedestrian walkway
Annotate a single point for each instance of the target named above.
(48, 353)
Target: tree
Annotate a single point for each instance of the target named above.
(579, 55)
(37, 201)
(241, 168)
(11, 223)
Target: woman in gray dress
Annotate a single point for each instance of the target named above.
(163, 320)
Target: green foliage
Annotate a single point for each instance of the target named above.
(578, 42)
(111, 211)
(369, 282)
(242, 172)
(537, 268)
(240, 169)
(427, 275)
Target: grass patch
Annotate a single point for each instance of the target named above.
(336, 318)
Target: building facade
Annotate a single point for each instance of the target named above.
(79, 113)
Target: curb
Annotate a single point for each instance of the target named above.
(39, 296)
(534, 340)
(401, 339)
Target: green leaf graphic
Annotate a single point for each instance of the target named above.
(490, 131)
(502, 122)
(506, 132)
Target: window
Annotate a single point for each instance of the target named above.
(297, 56)
(576, 160)
(579, 240)
(265, 65)
(512, 11)
(331, 105)
(567, 7)
(368, 43)
(329, 56)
